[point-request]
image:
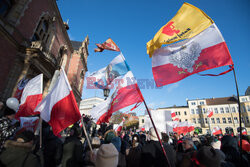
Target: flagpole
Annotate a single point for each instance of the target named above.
(156, 132)
(238, 98)
(41, 121)
(85, 132)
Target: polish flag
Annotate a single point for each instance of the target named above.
(173, 114)
(31, 97)
(119, 127)
(99, 113)
(59, 107)
(126, 94)
(210, 113)
(216, 130)
(177, 61)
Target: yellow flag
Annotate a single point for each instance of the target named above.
(188, 22)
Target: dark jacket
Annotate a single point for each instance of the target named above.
(18, 154)
(134, 156)
(153, 156)
(72, 152)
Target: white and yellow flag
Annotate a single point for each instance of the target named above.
(188, 22)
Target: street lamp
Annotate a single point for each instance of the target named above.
(106, 93)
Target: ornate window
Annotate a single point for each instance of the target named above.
(43, 31)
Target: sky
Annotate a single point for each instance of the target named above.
(132, 23)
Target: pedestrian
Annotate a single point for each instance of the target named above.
(152, 154)
(107, 156)
(19, 152)
(7, 129)
(73, 149)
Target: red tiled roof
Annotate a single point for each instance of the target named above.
(223, 100)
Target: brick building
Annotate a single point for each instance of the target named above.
(34, 40)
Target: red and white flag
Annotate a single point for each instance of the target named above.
(210, 113)
(28, 123)
(173, 114)
(100, 112)
(119, 127)
(32, 95)
(205, 51)
(109, 44)
(126, 94)
(59, 107)
(216, 130)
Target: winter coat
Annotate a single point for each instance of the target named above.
(72, 152)
(134, 156)
(153, 156)
(52, 151)
(6, 130)
(18, 154)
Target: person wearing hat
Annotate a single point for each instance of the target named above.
(107, 156)
(73, 149)
(7, 129)
(152, 154)
(19, 152)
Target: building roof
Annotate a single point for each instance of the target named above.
(76, 44)
(174, 107)
(222, 100)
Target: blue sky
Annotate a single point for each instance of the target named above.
(132, 23)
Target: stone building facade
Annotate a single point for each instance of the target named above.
(34, 40)
(225, 113)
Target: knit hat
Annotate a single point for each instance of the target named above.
(117, 143)
(107, 156)
(152, 134)
(9, 111)
(216, 145)
(109, 135)
(208, 157)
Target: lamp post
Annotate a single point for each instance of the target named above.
(106, 93)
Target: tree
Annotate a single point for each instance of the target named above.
(116, 117)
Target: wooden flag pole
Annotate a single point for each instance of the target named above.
(238, 98)
(156, 133)
(85, 132)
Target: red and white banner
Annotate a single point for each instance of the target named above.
(205, 51)
(216, 130)
(109, 44)
(59, 107)
(126, 94)
(28, 123)
(100, 112)
(182, 127)
(31, 97)
(210, 113)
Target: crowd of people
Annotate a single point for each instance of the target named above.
(115, 149)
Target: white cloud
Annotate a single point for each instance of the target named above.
(172, 87)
